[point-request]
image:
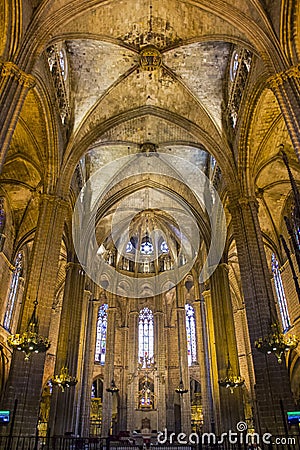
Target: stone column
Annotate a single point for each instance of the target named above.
(14, 86)
(185, 401)
(231, 404)
(286, 88)
(203, 361)
(122, 422)
(109, 367)
(132, 358)
(160, 359)
(88, 357)
(63, 403)
(273, 396)
(211, 356)
(25, 378)
(170, 392)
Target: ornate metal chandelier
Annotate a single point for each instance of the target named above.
(180, 388)
(112, 388)
(231, 381)
(30, 341)
(276, 342)
(64, 379)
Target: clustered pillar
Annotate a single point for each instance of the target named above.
(132, 363)
(109, 368)
(286, 88)
(273, 396)
(25, 378)
(160, 359)
(63, 412)
(185, 401)
(14, 86)
(231, 409)
(204, 365)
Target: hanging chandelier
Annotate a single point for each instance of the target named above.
(181, 389)
(30, 341)
(231, 381)
(64, 379)
(276, 342)
(112, 388)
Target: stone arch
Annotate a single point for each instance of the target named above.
(218, 149)
(264, 40)
(293, 365)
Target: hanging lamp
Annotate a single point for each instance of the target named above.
(30, 341)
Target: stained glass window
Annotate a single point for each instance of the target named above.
(2, 223)
(62, 64)
(191, 334)
(285, 318)
(13, 291)
(2, 215)
(101, 334)
(147, 248)
(146, 334)
(57, 61)
(234, 65)
(164, 247)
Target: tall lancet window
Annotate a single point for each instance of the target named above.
(2, 223)
(101, 334)
(191, 334)
(146, 334)
(284, 313)
(13, 291)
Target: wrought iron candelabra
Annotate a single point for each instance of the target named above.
(30, 341)
(276, 342)
(64, 379)
(231, 381)
(113, 389)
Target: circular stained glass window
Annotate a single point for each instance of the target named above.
(146, 248)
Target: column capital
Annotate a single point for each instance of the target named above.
(73, 265)
(206, 295)
(158, 313)
(279, 78)
(53, 198)
(243, 202)
(7, 262)
(179, 308)
(9, 69)
(224, 266)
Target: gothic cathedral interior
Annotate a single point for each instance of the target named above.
(149, 217)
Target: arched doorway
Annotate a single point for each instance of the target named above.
(96, 407)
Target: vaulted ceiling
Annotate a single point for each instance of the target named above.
(115, 106)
